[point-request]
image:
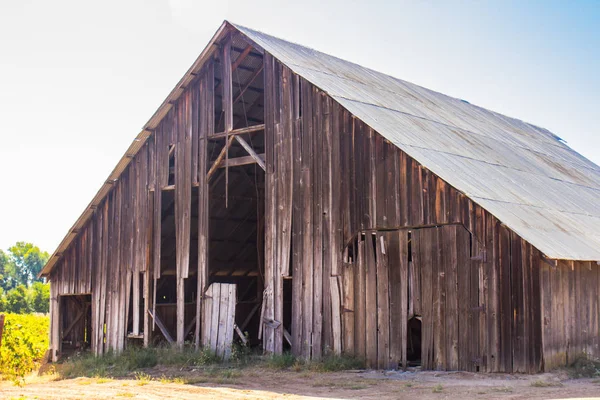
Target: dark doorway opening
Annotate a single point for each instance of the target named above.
(413, 344)
(76, 323)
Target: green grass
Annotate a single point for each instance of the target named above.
(437, 388)
(328, 363)
(131, 360)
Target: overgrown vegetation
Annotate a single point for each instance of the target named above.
(584, 367)
(328, 363)
(131, 361)
(24, 343)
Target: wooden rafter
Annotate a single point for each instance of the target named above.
(240, 131)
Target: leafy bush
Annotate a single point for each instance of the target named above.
(584, 367)
(24, 343)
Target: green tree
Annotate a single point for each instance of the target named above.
(8, 272)
(28, 261)
(40, 297)
(3, 305)
(17, 300)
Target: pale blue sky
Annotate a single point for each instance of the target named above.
(78, 79)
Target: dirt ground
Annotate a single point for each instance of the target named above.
(259, 383)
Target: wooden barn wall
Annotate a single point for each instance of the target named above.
(570, 324)
(330, 181)
(112, 257)
(347, 179)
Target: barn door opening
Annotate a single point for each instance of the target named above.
(413, 343)
(76, 323)
(236, 181)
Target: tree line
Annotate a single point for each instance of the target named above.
(21, 291)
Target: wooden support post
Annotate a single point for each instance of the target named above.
(220, 158)
(227, 106)
(180, 312)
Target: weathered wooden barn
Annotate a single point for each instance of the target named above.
(314, 205)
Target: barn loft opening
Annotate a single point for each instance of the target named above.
(237, 187)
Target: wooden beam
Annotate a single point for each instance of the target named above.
(287, 336)
(250, 315)
(239, 131)
(240, 334)
(75, 321)
(162, 327)
(238, 161)
(260, 161)
(189, 327)
(220, 158)
(241, 58)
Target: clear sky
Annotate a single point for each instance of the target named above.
(78, 79)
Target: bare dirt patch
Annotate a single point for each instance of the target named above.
(262, 383)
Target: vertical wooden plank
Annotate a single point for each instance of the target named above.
(450, 234)
(223, 302)
(505, 304)
(548, 316)
(465, 314)
(371, 300)
(348, 311)
(383, 302)
(54, 321)
(336, 313)
(207, 317)
(227, 85)
(398, 292)
(535, 311)
(230, 320)
(297, 236)
(307, 221)
(215, 317)
(439, 299)
(270, 79)
(422, 247)
(328, 230)
(519, 352)
(317, 169)
(360, 328)
(205, 129)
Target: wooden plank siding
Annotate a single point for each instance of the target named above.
(369, 237)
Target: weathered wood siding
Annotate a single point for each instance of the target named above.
(347, 179)
(570, 307)
(330, 182)
(116, 255)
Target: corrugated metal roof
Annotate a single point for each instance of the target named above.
(523, 174)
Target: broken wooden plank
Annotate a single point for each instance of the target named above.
(162, 327)
(259, 160)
